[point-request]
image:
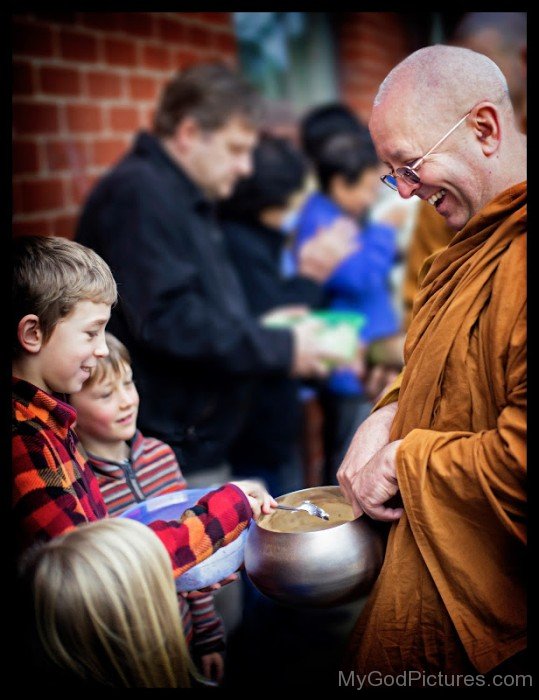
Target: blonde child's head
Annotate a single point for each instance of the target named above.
(106, 607)
(107, 405)
(62, 296)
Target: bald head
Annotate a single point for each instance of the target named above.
(445, 81)
(445, 112)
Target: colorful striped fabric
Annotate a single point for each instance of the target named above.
(55, 490)
(152, 470)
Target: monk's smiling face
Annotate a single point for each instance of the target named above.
(451, 176)
(420, 102)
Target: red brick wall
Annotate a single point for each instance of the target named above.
(369, 45)
(82, 84)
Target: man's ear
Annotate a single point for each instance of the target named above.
(486, 124)
(29, 333)
(187, 131)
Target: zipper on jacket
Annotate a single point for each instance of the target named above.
(131, 480)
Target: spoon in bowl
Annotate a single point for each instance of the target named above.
(308, 507)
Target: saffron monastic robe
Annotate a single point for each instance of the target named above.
(451, 595)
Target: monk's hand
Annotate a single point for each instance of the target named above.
(371, 436)
(377, 482)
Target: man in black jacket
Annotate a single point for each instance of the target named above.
(182, 312)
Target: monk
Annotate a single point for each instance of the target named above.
(448, 441)
(502, 37)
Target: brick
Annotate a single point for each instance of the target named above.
(106, 21)
(60, 81)
(119, 52)
(25, 157)
(103, 84)
(156, 57)
(184, 58)
(220, 18)
(34, 118)
(16, 198)
(32, 40)
(78, 46)
(123, 118)
(64, 225)
(67, 154)
(108, 151)
(226, 42)
(170, 30)
(23, 79)
(199, 37)
(41, 195)
(142, 88)
(137, 23)
(80, 187)
(35, 227)
(147, 118)
(84, 118)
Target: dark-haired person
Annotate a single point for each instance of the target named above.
(322, 123)
(348, 173)
(182, 312)
(253, 221)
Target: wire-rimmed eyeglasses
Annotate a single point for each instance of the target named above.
(408, 173)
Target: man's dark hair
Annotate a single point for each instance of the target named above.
(321, 123)
(278, 171)
(348, 155)
(211, 93)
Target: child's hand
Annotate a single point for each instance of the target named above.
(213, 666)
(259, 498)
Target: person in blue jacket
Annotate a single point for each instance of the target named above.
(347, 171)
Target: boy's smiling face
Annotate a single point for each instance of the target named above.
(107, 409)
(67, 358)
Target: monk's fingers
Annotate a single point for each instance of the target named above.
(356, 508)
(383, 513)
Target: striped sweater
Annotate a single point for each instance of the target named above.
(152, 470)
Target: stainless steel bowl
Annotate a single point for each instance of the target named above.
(315, 569)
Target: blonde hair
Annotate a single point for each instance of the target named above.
(106, 606)
(50, 275)
(113, 363)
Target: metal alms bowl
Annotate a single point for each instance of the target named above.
(315, 569)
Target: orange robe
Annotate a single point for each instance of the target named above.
(430, 234)
(451, 595)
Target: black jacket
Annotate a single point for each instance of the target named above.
(182, 312)
(267, 438)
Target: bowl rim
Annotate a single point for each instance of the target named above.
(310, 533)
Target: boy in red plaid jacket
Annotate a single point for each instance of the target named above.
(63, 293)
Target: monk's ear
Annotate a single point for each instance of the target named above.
(486, 125)
(29, 334)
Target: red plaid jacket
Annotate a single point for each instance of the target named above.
(55, 490)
